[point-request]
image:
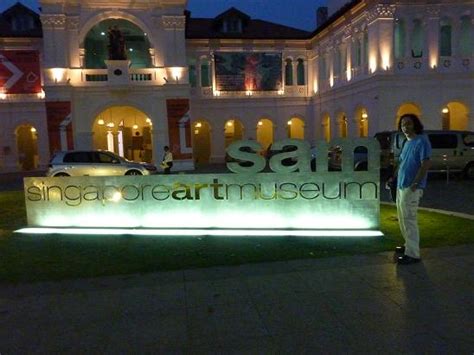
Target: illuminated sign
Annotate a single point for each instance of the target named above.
(291, 199)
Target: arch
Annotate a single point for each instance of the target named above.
(445, 37)
(289, 72)
(417, 39)
(300, 72)
(135, 42)
(124, 130)
(399, 38)
(326, 126)
(233, 131)
(201, 133)
(341, 121)
(295, 127)
(465, 37)
(362, 120)
(405, 108)
(113, 14)
(265, 132)
(27, 147)
(455, 116)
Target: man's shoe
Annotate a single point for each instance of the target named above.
(405, 260)
(400, 250)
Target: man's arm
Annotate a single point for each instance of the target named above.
(421, 173)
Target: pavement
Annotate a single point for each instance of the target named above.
(356, 304)
(352, 304)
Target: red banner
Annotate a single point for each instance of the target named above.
(179, 128)
(56, 113)
(20, 72)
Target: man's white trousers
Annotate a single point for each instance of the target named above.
(407, 207)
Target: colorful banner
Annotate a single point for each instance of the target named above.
(20, 72)
(248, 71)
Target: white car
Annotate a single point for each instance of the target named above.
(95, 163)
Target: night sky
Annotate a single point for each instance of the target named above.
(295, 13)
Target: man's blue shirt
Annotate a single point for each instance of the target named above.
(413, 153)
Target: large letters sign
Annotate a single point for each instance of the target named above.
(289, 199)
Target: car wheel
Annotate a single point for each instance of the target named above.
(469, 171)
(133, 172)
(61, 175)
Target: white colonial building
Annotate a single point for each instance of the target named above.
(197, 84)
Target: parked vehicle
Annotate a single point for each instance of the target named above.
(452, 151)
(95, 163)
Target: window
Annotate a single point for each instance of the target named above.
(445, 39)
(465, 41)
(357, 53)
(289, 72)
(22, 23)
(399, 38)
(417, 39)
(105, 158)
(300, 75)
(468, 139)
(443, 141)
(78, 157)
(192, 73)
(232, 25)
(205, 75)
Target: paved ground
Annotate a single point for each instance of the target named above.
(358, 304)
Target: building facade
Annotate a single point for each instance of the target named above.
(134, 78)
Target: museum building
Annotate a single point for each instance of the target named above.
(197, 84)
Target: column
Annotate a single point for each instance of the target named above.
(73, 39)
(175, 42)
(54, 39)
(432, 36)
(217, 144)
(381, 37)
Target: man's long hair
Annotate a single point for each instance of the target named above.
(418, 126)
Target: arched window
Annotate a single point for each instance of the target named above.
(137, 45)
(289, 72)
(417, 39)
(465, 41)
(445, 38)
(205, 74)
(357, 53)
(192, 72)
(399, 38)
(300, 75)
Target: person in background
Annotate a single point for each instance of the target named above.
(167, 162)
(411, 174)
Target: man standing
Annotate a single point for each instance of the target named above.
(167, 162)
(413, 166)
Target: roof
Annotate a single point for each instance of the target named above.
(19, 10)
(335, 16)
(206, 28)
